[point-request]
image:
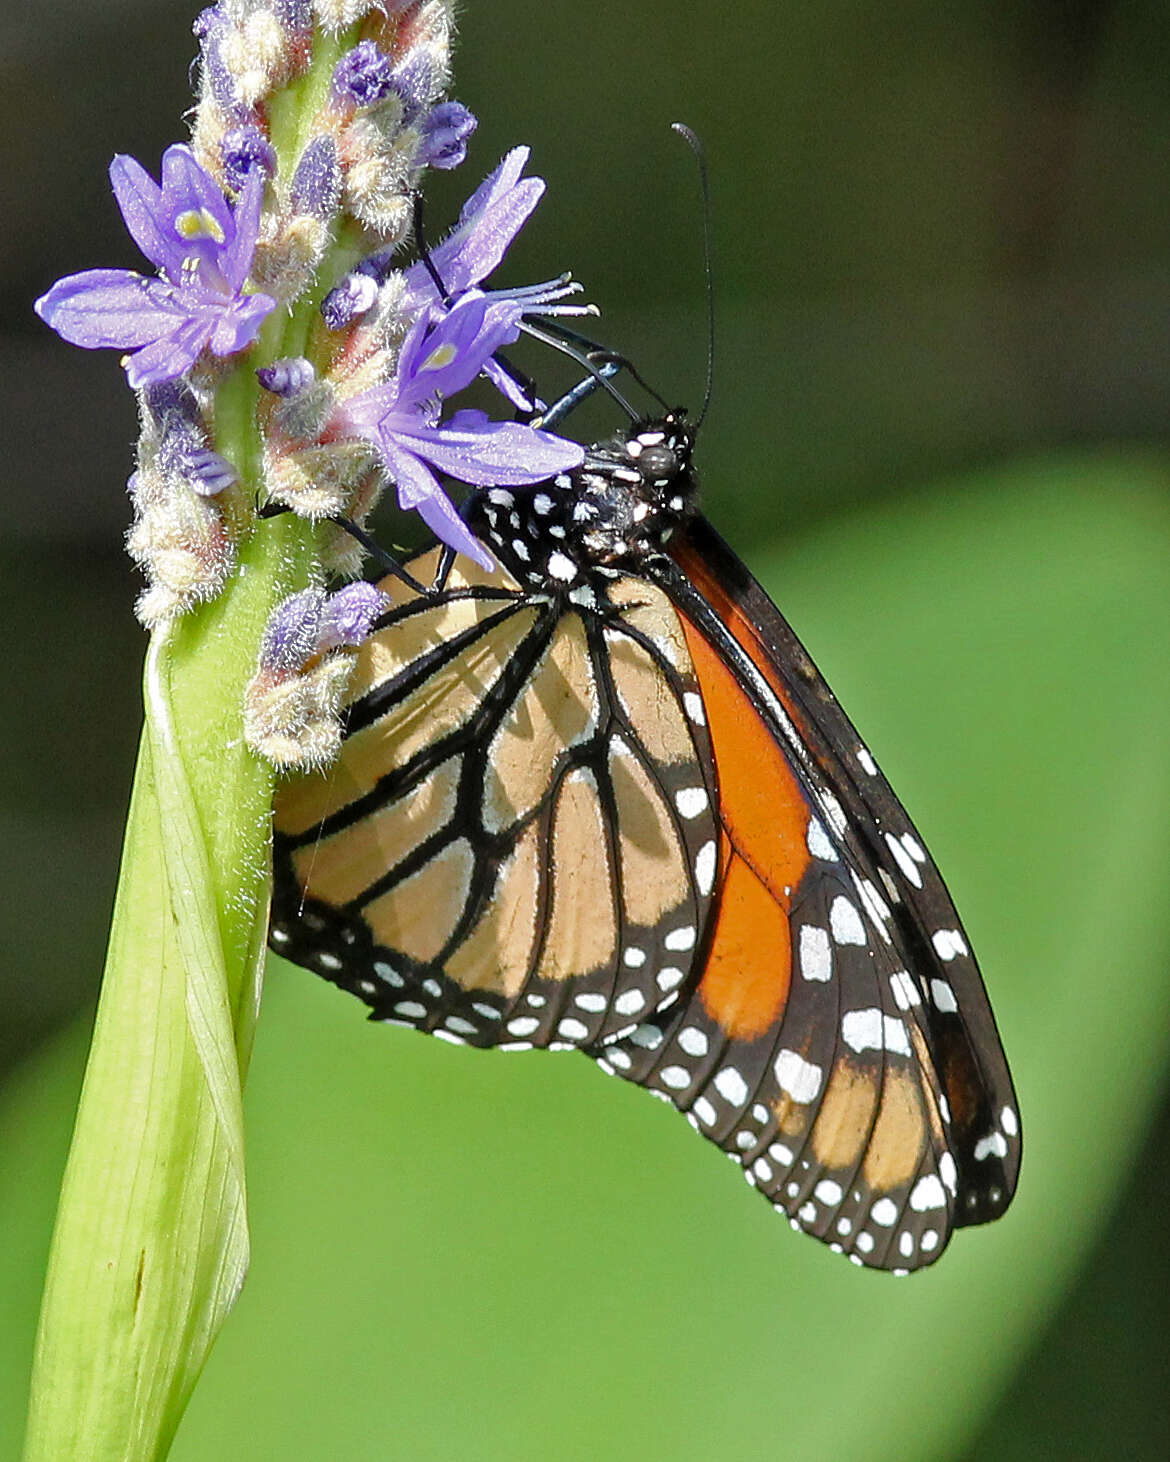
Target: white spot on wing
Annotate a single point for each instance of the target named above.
(993, 1145)
(798, 1078)
(927, 1193)
(904, 861)
(861, 1030)
(693, 1041)
(691, 801)
(904, 990)
(705, 868)
(884, 1212)
(943, 996)
(948, 943)
(845, 922)
(731, 1086)
(630, 1002)
(815, 953)
(693, 705)
(818, 841)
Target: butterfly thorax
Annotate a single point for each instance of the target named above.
(608, 516)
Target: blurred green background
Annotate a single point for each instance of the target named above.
(939, 436)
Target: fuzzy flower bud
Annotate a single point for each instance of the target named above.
(292, 706)
(445, 130)
(353, 297)
(363, 76)
(288, 377)
(245, 150)
(316, 183)
(293, 630)
(349, 615)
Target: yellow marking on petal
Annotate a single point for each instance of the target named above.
(198, 223)
(440, 357)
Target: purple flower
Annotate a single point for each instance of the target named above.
(203, 249)
(445, 130)
(401, 419)
(488, 222)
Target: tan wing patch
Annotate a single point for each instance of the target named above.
(899, 1134)
(653, 861)
(419, 915)
(557, 709)
(498, 952)
(581, 933)
(440, 705)
(341, 867)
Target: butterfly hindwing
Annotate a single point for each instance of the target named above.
(515, 846)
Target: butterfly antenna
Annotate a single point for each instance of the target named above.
(700, 157)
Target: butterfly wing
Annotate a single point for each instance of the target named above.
(838, 1041)
(516, 844)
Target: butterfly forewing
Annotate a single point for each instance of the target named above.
(890, 925)
(515, 846)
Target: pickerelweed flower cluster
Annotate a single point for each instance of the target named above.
(281, 358)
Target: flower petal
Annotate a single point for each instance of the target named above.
(187, 186)
(140, 199)
(487, 453)
(446, 524)
(168, 356)
(509, 388)
(449, 356)
(489, 221)
(117, 308)
(237, 323)
(506, 175)
(236, 259)
(419, 489)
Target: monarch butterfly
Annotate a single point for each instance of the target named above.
(600, 799)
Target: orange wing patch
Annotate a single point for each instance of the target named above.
(764, 856)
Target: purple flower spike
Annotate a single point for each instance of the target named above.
(401, 419)
(203, 250)
(445, 130)
(349, 615)
(363, 76)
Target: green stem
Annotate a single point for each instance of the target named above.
(151, 1243)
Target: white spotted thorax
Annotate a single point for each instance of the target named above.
(620, 508)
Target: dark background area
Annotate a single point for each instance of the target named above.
(942, 239)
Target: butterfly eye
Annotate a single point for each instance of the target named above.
(657, 462)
